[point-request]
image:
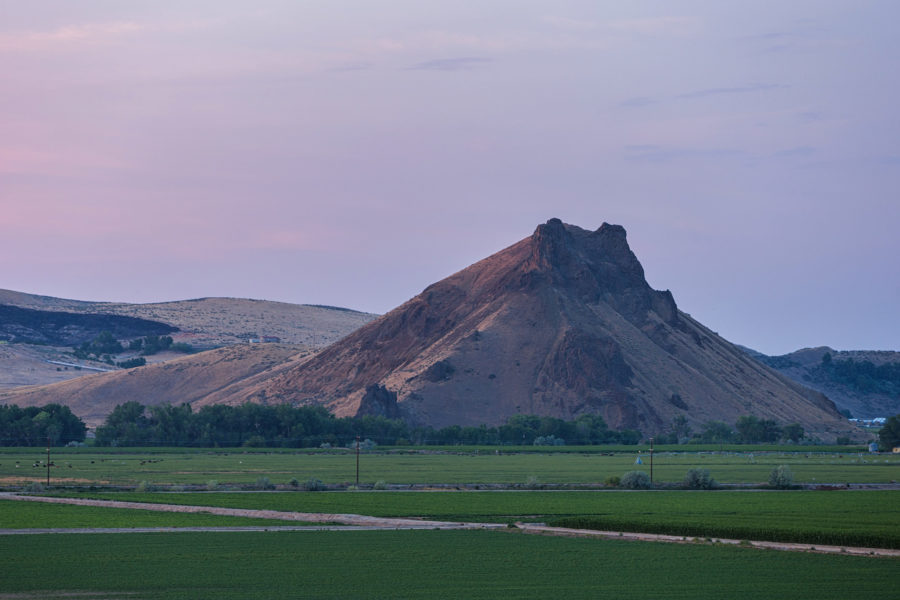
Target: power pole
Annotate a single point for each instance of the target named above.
(651, 461)
(48, 461)
(357, 461)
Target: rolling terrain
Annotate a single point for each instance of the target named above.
(561, 323)
(865, 383)
(54, 325)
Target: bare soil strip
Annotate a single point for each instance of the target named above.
(344, 519)
(367, 523)
(657, 537)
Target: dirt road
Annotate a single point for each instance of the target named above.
(351, 522)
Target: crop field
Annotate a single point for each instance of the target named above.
(850, 518)
(421, 564)
(32, 515)
(128, 467)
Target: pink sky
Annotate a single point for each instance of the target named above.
(352, 153)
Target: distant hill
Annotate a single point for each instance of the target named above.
(866, 383)
(57, 324)
(58, 328)
(212, 322)
(206, 377)
(562, 323)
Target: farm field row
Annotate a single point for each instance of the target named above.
(129, 467)
(422, 564)
(852, 518)
(39, 515)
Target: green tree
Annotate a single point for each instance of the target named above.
(889, 436)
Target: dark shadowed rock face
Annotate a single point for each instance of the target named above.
(561, 323)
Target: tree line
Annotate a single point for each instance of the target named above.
(133, 424)
(38, 425)
(747, 429)
(863, 375)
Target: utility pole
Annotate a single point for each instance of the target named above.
(357, 461)
(651, 461)
(48, 461)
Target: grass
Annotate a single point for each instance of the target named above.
(32, 515)
(860, 518)
(422, 564)
(128, 467)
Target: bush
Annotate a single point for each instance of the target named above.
(533, 483)
(255, 441)
(314, 485)
(612, 481)
(212, 485)
(636, 480)
(549, 440)
(145, 486)
(294, 482)
(380, 485)
(263, 483)
(698, 479)
(781, 477)
(35, 487)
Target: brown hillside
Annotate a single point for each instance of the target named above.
(188, 379)
(208, 322)
(561, 323)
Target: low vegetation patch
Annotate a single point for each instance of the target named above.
(448, 564)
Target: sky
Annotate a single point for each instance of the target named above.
(351, 153)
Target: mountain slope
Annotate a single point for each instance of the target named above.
(190, 379)
(561, 323)
(210, 322)
(864, 382)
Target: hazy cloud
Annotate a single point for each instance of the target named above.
(463, 63)
(653, 153)
(658, 25)
(745, 89)
(798, 151)
(638, 102)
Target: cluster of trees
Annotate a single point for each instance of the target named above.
(133, 424)
(34, 425)
(105, 345)
(889, 436)
(863, 376)
(748, 429)
(152, 344)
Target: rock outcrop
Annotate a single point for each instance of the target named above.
(561, 323)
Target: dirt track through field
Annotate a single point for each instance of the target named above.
(351, 522)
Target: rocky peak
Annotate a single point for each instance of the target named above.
(597, 266)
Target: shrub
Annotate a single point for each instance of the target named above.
(781, 477)
(314, 485)
(612, 481)
(636, 480)
(145, 486)
(255, 441)
(35, 487)
(533, 483)
(263, 483)
(294, 482)
(698, 479)
(549, 440)
(380, 485)
(212, 485)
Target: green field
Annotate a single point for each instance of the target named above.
(128, 467)
(422, 564)
(850, 518)
(31, 515)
